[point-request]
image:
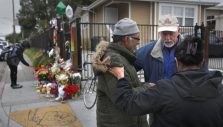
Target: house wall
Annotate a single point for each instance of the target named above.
(219, 21)
(145, 12)
(99, 14)
(214, 12)
(140, 12)
(217, 18)
(201, 14)
(203, 17)
(123, 10)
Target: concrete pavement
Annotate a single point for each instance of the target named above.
(27, 98)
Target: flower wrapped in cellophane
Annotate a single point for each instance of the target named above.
(41, 73)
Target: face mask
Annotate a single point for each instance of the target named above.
(169, 44)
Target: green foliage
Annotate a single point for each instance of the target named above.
(35, 15)
(27, 22)
(10, 37)
(38, 57)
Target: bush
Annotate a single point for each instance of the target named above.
(38, 57)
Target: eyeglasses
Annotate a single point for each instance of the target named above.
(136, 38)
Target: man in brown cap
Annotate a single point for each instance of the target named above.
(157, 58)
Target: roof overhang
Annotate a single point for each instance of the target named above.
(116, 2)
(217, 7)
(196, 2)
(220, 5)
(78, 11)
(95, 4)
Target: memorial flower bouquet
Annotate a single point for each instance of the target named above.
(71, 90)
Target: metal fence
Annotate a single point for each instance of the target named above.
(93, 33)
(44, 41)
(90, 34)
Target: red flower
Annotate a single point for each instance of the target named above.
(54, 91)
(49, 65)
(36, 69)
(70, 89)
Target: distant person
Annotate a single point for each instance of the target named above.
(120, 52)
(13, 59)
(192, 97)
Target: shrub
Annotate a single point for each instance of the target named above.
(38, 57)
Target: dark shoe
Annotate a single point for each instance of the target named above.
(17, 86)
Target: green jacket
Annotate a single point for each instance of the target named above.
(107, 114)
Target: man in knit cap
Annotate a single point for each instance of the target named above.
(121, 52)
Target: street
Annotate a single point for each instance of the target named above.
(27, 98)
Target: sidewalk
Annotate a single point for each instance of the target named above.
(27, 98)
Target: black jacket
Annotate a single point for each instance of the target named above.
(17, 56)
(189, 99)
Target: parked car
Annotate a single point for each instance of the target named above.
(4, 43)
(215, 45)
(212, 38)
(1, 48)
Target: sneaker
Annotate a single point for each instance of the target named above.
(17, 86)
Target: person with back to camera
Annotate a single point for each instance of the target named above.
(157, 58)
(121, 52)
(13, 59)
(192, 97)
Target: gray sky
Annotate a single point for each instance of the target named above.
(6, 18)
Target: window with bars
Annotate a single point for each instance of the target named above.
(186, 15)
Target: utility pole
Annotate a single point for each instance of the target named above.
(13, 14)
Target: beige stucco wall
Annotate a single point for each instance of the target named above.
(123, 10)
(219, 21)
(143, 12)
(214, 12)
(218, 14)
(155, 16)
(99, 14)
(140, 12)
